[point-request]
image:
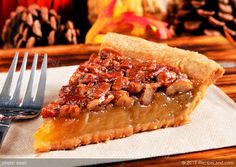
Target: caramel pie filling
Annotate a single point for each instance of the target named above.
(110, 92)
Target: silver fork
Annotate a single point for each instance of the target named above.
(12, 107)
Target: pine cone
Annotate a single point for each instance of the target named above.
(66, 34)
(32, 26)
(208, 17)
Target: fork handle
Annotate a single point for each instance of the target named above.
(4, 126)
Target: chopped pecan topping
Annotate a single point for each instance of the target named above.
(135, 87)
(120, 83)
(110, 79)
(69, 111)
(147, 96)
(108, 99)
(83, 89)
(51, 110)
(92, 104)
(123, 99)
(88, 77)
(100, 90)
(181, 85)
(166, 77)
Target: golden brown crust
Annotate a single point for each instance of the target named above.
(197, 66)
(105, 135)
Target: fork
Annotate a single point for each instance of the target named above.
(13, 107)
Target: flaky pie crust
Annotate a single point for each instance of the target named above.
(201, 71)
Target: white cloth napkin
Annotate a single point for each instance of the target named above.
(213, 126)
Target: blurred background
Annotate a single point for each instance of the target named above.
(29, 23)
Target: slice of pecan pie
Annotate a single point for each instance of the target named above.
(131, 85)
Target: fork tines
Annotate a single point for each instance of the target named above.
(28, 100)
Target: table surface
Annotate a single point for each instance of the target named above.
(214, 47)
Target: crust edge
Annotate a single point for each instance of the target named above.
(197, 66)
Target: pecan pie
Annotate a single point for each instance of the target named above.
(131, 85)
